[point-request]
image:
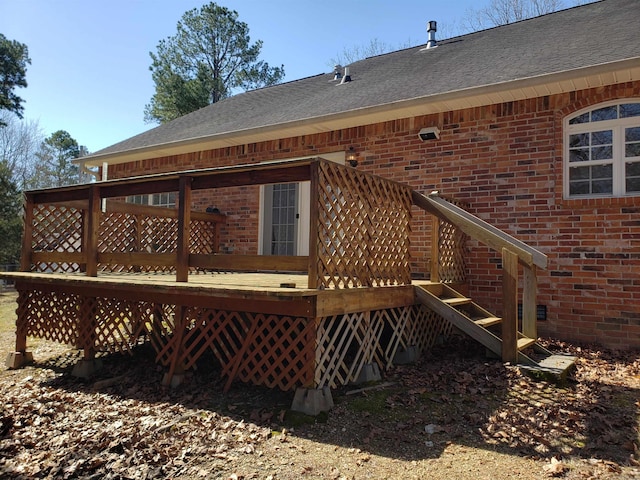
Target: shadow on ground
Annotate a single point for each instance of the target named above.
(452, 395)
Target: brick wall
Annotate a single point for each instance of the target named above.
(505, 162)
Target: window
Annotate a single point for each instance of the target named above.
(157, 199)
(602, 151)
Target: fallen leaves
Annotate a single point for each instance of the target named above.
(126, 426)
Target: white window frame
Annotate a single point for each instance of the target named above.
(166, 199)
(619, 161)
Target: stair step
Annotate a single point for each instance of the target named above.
(487, 322)
(525, 342)
(456, 301)
(552, 367)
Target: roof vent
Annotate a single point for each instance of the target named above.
(347, 77)
(431, 31)
(336, 72)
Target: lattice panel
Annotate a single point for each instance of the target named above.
(161, 328)
(202, 238)
(452, 265)
(277, 353)
(425, 328)
(159, 235)
(118, 233)
(270, 350)
(344, 344)
(118, 325)
(48, 315)
(395, 322)
(363, 229)
(56, 229)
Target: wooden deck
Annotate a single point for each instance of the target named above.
(104, 275)
(259, 330)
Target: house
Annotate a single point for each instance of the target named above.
(539, 135)
(531, 131)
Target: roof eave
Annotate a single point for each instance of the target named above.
(512, 90)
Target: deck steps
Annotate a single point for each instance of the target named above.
(476, 322)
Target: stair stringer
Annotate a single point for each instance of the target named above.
(480, 334)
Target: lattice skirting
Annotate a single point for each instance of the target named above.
(277, 351)
(345, 343)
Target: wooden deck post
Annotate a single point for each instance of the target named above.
(314, 218)
(184, 229)
(27, 236)
(510, 306)
(92, 231)
(529, 302)
(435, 249)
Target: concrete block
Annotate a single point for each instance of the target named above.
(370, 373)
(18, 359)
(86, 368)
(312, 401)
(408, 356)
(174, 381)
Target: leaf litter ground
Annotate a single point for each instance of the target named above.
(455, 414)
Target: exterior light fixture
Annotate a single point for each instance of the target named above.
(351, 157)
(429, 133)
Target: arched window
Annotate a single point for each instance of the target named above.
(602, 151)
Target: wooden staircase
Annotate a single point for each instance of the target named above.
(475, 321)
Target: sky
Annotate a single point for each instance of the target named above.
(89, 72)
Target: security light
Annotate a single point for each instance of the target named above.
(429, 133)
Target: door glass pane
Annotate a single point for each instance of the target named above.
(282, 237)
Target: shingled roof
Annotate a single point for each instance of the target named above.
(591, 45)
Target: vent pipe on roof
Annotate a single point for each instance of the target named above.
(336, 72)
(431, 31)
(347, 77)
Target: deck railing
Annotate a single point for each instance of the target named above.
(131, 238)
(514, 254)
(359, 226)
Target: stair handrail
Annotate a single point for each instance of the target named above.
(479, 229)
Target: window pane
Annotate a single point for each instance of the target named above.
(632, 134)
(584, 118)
(603, 186)
(633, 169)
(606, 113)
(579, 188)
(601, 153)
(602, 171)
(579, 173)
(604, 137)
(633, 184)
(579, 140)
(632, 150)
(629, 110)
(579, 155)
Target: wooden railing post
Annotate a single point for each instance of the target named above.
(435, 249)
(314, 218)
(184, 229)
(92, 231)
(27, 236)
(529, 302)
(510, 306)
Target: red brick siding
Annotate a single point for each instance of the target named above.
(505, 162)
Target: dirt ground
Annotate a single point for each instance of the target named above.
(453, 415)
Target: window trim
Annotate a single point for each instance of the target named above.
(618, 162)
